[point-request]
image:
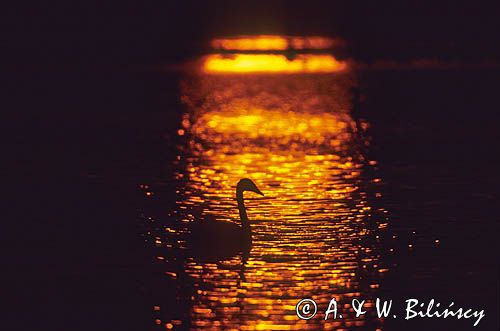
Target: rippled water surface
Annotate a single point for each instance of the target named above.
(316, 231)
(390, 195)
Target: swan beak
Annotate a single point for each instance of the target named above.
(258, 191)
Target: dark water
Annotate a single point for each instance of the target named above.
(404, 208)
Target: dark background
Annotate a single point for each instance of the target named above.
(110, 34)
(88, 115)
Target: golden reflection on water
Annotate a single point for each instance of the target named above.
(313, 230)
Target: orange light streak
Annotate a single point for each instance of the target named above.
(273, 43)
(272, 63)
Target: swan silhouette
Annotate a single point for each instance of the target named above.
(221, 239)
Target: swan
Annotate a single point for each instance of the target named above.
(223, 239)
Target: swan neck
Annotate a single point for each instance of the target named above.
(243, 212)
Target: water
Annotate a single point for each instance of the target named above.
(321, 230)
(393, 198)
(314, 233)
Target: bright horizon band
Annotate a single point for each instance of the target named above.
(274, 42)
(272, 63)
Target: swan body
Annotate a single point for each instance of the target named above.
(224, 239)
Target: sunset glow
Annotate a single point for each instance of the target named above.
(263, 43)
(272, 63)
(273, 42)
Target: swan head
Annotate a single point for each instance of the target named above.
(246, 184)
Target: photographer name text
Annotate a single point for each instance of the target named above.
(413, 308)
